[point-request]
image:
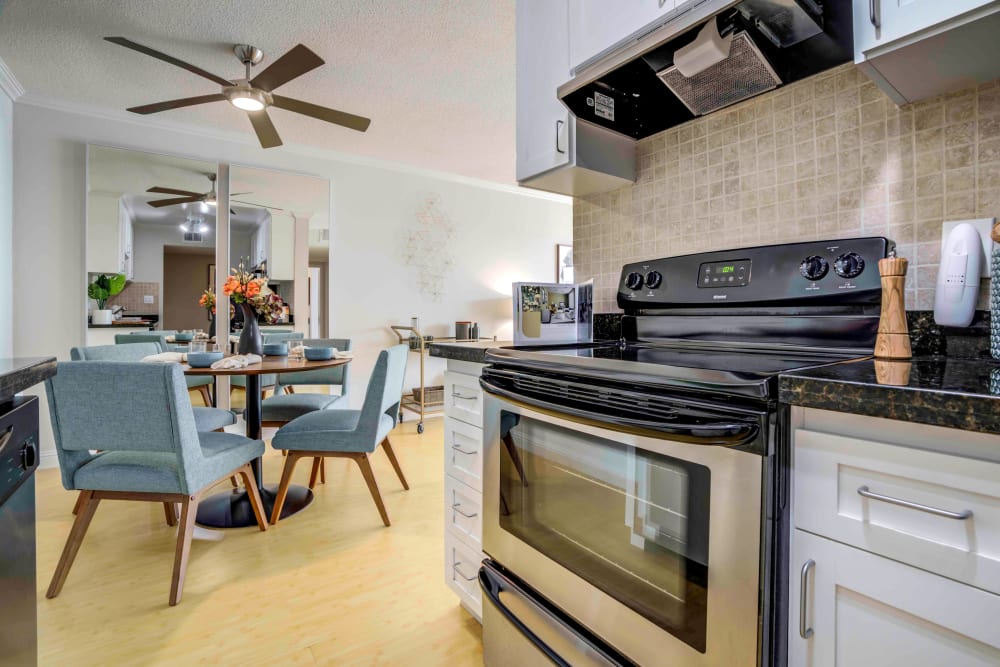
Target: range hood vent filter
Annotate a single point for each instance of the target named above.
(742, 75)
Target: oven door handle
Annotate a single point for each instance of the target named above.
(503, 593)
(726, 433)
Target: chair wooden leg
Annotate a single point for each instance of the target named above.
(395, 463)
(366, 469)
(170, 513)
(88, 506)
(315, 471)
(515, 457)
(206, 395)
(79, 503)
(189, 509)
(322, 471)
(289, 389)
(235, 482)
(286, 479)
(255, 501)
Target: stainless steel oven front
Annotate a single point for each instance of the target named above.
(617, 541)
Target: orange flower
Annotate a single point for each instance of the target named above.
(231, 284)
(253, 288)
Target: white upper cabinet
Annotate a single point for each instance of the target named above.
(915, 49)
(597, 27)
(542, 65)
(281, 260)
(104, 233)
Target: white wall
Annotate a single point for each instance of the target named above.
(500, 235)
(6, 222)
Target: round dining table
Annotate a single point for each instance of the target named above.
(232, 509)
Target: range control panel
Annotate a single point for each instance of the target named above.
(844, 271)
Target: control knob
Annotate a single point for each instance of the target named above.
(849, 265)
(654, 279)
(813, 267)
(633, 281)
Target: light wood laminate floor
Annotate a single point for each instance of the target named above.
(329, 586)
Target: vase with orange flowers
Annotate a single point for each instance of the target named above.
(242, 287)
(207, 301)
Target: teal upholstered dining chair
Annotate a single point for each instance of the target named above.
(239, 382)
(200, 383)
(154, 452)
(352, 434)
(331, 377)
(206, 418)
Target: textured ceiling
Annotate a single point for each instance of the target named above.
(435, 77)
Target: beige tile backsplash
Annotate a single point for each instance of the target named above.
(827, 157)
(131, 297)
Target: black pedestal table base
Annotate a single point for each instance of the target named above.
(231, 509)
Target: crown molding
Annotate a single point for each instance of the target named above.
(9, 83)
(301, 150)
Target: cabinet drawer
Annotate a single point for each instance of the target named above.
(863, 609)
(463, 452)
(463, 512)
(463, 398)
(461, 572)
(916, 513)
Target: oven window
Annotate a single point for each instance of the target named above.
(632, 523)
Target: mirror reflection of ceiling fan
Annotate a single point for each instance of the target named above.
(253, 95)
(188, 197)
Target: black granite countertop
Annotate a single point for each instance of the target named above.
(130, 325)
(940, 391)
(471, 351)
(23, 372)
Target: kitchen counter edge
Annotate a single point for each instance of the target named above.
(19, 373)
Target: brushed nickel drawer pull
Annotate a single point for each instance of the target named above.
(459, 572)
(960, 516)
(804, 632)
(455, 394)
(457, 506)
(462, 451)
(874, 9)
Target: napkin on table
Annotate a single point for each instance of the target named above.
(237, 361)
(167, 357)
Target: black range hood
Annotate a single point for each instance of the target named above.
(796, 38)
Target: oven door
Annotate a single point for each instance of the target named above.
(647, 537)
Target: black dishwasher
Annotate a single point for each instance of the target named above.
(18, 461)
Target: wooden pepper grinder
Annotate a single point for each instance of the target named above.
(893, 340)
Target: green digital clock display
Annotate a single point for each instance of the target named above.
(727, 269)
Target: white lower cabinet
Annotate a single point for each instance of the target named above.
(463, 483)
(861, 609)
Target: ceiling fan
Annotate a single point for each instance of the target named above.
(253, 95)
(188, 197)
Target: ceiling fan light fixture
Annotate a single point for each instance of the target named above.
(246, 98)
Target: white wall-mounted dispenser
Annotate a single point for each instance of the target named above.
(958, 277)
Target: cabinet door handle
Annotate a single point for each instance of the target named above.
(559, 125)
(958, 516)
(462, 451)
(805, 632)
(459, 572)
(874, 10)
(455, 394)
(457, 508)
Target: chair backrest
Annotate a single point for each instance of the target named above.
(385, 388)
(336, 376)
(121, 406)
(144, 337)
(134, 352)
(281, 336)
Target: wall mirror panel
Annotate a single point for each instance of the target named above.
(163, 242)
(280, 229)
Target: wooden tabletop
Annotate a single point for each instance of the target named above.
(268, 365)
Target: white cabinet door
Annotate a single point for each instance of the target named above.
(862, 609)
(281, 260)
(542, 66)
(597, 26)
(879, 22)
(103, 233)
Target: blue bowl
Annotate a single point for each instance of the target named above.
(184, 337)
(203, 359)
(319, 353)
(276, 349)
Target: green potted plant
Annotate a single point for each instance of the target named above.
(103, 288)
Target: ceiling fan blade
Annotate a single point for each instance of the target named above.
(159, 55)
(172, 191)
(159, 203)
(177, 104)
(250, 203)
(296, 62)
(349, 120)
(237, 194)
(262, 125)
